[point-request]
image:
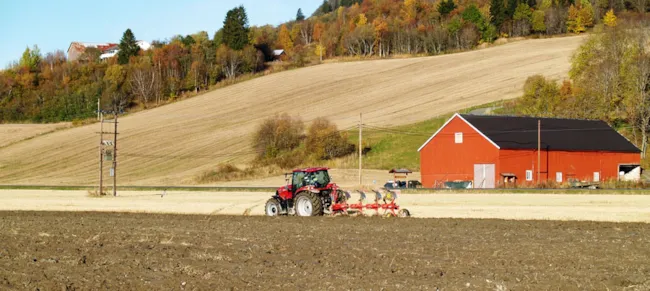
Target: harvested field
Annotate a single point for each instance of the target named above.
(13, 133)
(100, 251)
(614, 208)
(171, 145)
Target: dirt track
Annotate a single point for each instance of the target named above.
(172, 144)
(99, 251)
(615, 208)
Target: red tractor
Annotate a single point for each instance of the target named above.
(309, 192)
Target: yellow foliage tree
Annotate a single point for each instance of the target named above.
(362, 20)
(285, 39)
(574, 21)
(410, 10)
(320, 51)
(610, 18)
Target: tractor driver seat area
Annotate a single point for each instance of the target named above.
(299, 180)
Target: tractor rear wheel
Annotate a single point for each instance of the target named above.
(272, 207)
(308, 204)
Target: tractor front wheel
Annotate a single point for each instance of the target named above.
(308, 204)
(272, 207)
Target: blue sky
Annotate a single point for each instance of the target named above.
(53, 24)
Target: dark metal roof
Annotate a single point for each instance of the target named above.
(400, 171)
(510, 132)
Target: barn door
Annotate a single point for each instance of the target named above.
(484, 176)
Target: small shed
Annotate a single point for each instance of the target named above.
(279, 54)
(400, 174)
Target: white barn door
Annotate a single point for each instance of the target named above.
(484, 175)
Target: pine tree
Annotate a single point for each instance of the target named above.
(299, 15)
(446, 7)
(325, 7)
(235, 29)
(128, 47)
(497, 12)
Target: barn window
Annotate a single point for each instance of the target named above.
(596, 176)
(558, 177)
(459, 137)
(529, 175)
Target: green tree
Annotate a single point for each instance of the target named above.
(473, 15)
(538, 23)
(497, 12)
(235, 29)
(324, 8)
(522, 19)
(299, 15)
(31, 58)
(128, 47)
(445, 7)
(218, 37)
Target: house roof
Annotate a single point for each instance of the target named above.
(511, 132)
(101, 46)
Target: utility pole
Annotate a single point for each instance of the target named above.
(101, 153)
(360, 148)
(98, 110)
(115, 155)
(539, 148)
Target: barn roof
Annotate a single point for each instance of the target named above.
(511, 132)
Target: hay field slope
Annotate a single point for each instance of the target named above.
(14, 133)
(170, 145)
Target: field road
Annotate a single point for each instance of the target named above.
(614, 208)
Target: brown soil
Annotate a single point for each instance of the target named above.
(98, 251)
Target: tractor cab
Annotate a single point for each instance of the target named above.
(316, 177)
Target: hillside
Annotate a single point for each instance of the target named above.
(172, 144)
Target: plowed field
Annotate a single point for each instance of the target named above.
(99, 251)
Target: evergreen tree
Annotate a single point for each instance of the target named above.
(235, 29)
(128, 47)
(510, 9)
(497, 12)
(324, 8)
(299, 15)
(446, 7)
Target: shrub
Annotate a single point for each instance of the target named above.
(278, 134)
(325, 141)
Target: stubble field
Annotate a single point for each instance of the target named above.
(101, 251)
(171, 145)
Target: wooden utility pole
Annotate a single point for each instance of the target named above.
(115, 155)
(539, 148)
(360, 148)
(101, 153)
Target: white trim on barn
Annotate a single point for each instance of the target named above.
(463, 119)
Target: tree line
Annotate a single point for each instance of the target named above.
(609, 80)
(50, 88)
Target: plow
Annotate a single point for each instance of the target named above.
(309, 192)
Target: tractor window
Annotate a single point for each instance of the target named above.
(319, 179)
(298, 180)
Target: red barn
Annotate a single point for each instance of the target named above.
(492, 150)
